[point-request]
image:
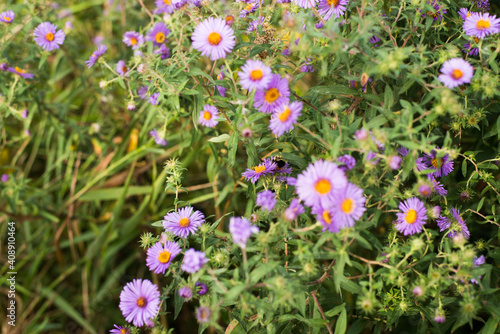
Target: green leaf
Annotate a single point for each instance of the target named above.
(480, 204)
(222, 138)
(341, 325)
(233, 148)
(490, 326)
(336, 310)
(464, 167)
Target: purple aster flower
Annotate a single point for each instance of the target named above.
(361, 134)
(284, 117)
(436, 14)
(437, 187)
(286, 52)
(143, 92)
(163, 51)
(324, 214)
(266, 167)
(95, 55)
(348, 205)
(319, 182)
(186, 293)
(47, 37)
(435, 212)
(456, 72)
(307, 3)
(470, 50)
(121, 68)
(153, 99)
(193, 261)
(439, 318)
(481, 25)
(255, 75)
(158, 139)
(464, 13)
(208, 116)
(5, 178)
(139, 301)
(348, 161)
(203, 314)
(291, 181)
(158, 34)
(164, 6)
(483, 4)
(424, 189)
(220, 76)
(374, 40)
(160, 256)
(7, 17)
(214, 38)
(307, 67)
(4, 67)
(479, 261)
(463, 227)
(421, 164)
(133, 39)
(229, 20)
(403, 151)
(203, 289)
(371, 157)
(318, 25)
(412, 217)
(294, 210)
(21, 72)
(394, 162)
(241, 229)
(255, 23)
(442, 166)
(273, 97)
(266, 200)
(120, 330)
(184, 222)
(249, 8)
(445, 223)
(24, 113)
(329, 8)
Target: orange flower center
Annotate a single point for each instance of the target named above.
(229, 19)
(457, 74)
(184, 222)
(124, 331)
(347, 205)
(411, 216)
(167, 2)
(259, 168)
(482, 24)
(323, 186)
(436, 162)
(285, 115)
(49, 37)
(475, 39)
(272, 95)
(164, 256)
(256, 74)
(214, 38)
(333, 3)
(142, 302)
(6, 18)
(249, 7)
(160, 37)
(18, 70)
(124, 69)
(133, 41)
(326, 217)
(207, 115)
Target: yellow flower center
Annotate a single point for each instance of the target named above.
(229, 18)
(141, 302)
(285, 115)
(411, 216)
(436, 162)
(259, 168)
(272, 95)
(457, 74)
(323, 186)
(256, 74)
(482, 24)
(6, 18)
(326, 217)
(49, 37)
(207, 115)
(475, 39)
(160, 37)
(333, 3)
(18, 70)
(133, 41)
(249, 6)
(347, 205)
(214, 38)
(184, 222)
(167, 2)
(164, 256)
(123, 331)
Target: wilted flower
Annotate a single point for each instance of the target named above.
(241, 229)
(193, 261)
(266, 200)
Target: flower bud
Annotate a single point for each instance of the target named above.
(418, 291)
